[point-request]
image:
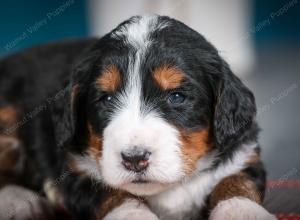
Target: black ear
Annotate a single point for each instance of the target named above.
(69, 113)
(234, 108)
(68, 116)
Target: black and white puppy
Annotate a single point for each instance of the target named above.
(150, 124)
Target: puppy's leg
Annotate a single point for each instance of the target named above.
(11, 152)
(131, 209)
(239, 196)
(238, 208)
(16, 202)
(11, 160)
(120, 205)
(21, 204)
(88, 199)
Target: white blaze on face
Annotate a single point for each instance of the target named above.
(131, 126)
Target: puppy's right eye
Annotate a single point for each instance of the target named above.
(176, 98)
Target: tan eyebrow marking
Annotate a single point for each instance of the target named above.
(110, 79)
(168, 77)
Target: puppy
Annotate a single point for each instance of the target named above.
(147, 122)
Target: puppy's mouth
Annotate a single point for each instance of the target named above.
(144, 187)
(140, 181)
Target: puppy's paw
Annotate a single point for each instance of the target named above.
(240, 208)
(131, 210)
(10, 154)
(18, 203)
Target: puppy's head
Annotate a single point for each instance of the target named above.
(149, 102)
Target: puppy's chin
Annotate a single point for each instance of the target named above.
(145, 188)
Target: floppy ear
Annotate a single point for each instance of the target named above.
(234, 108)
(69, 113)
(68, 116)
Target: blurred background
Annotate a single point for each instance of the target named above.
(260, 39)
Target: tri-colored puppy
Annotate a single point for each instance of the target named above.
(149, 124)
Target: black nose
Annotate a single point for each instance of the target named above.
(136, 160)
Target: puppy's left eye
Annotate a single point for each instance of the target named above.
(176, 98)
(106, 99)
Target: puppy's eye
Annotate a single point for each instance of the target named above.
(176, 98)
(106, 99)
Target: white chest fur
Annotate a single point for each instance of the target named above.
(189, 196)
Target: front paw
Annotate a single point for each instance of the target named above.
(138, 215)
(131, 210)
(11, 155)
(18, 203)
(240, 208)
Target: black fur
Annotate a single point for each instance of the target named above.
(46, 76)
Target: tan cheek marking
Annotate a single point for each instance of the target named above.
(95, 144)
(110, 79)
(168, 77)
(194, 146)
(94, 151)
(232, 186)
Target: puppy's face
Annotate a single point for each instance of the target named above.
(152, 125)
(148, 106)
